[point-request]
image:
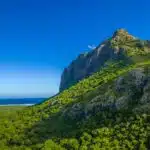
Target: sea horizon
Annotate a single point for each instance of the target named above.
(18, 104)
(20, 101)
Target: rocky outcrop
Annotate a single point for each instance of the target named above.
(91, 62)
(120, 45)
(130, 90)
(85, 65)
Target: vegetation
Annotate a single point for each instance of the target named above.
(43, 127)
(6, 111)
(83, 117)
(132, 46)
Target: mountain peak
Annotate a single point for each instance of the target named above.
(122, 33)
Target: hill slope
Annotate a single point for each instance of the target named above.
(107, 110)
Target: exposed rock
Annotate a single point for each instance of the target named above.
(91, 62)
(146, 96)
(122, 103)
(128, 90)
(121, 45)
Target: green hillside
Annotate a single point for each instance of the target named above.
(108, 110)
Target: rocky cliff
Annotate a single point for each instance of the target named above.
(91, 62)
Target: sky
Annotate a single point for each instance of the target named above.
(38, 38)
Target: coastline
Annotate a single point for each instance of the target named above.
(16, 105)
(20, 101)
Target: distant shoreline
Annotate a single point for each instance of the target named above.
(17, 104)
(20, 101)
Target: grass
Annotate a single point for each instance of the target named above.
(6, 111)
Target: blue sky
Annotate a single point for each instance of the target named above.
(38, 38)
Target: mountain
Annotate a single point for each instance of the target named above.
(88, 63)
(109, 109)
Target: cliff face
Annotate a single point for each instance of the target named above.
(85, 65)
(91, 62)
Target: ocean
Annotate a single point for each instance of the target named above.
(20, 101)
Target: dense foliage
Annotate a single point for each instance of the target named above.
(57, 123)
(43, 127)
